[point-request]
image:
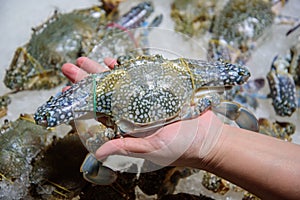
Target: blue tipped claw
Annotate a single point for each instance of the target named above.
(94, 172)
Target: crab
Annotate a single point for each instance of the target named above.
(235, 25)
(282, 87)
(4, 101)
(35, 164)
(193, 17)
(281, 130)
(163, 181)
(295, 62)
(215, 184)
(241, 25)
(20, 141)
(145, 93)
(241, 21)
(63, 38)
(293, 56)
(110, 5)
(247, 94)
(284, 78)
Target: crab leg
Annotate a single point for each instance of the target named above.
(136, 16)
(244, 118)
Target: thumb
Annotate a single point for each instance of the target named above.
(163, 147)
(160, 154)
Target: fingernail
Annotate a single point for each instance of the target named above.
(80, 60)
(68, 69)
(110, 62)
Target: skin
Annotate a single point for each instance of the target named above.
(265, 166)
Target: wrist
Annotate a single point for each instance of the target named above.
(255, 162)
(203, 152)
(211, 159)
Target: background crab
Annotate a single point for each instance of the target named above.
(67, 36)
(63, 38)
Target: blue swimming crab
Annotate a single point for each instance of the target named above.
(21, 141)
(241, 25)
(235, 25)
(145, 93)
(282, 87)
(192, 17)
(284, 78)
(278, 129)
(247, 94)
(63, 38)
(294, 59)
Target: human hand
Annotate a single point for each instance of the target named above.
(181, 143)
(83, 67)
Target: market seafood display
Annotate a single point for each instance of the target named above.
(235, 26)
(79, 32)
(35, 163)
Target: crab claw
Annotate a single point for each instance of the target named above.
(242, 117)
(95, 172)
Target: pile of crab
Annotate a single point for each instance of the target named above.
(140, 94)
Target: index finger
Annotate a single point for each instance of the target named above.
(90, 66)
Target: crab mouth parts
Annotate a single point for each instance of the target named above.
(42, 122)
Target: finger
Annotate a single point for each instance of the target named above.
(139, 147)
(110, 62)
(123, 146)
(90, 66)
(73, 73)
(66, 88)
